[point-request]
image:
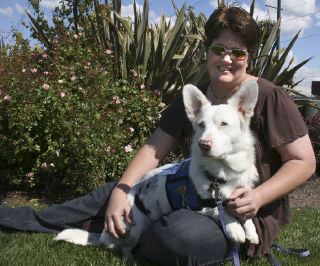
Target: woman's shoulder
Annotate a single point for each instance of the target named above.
(266, 87)
(270, 91)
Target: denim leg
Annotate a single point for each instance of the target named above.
(57, 217)
(185, 237)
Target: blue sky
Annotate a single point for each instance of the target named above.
(300, 14)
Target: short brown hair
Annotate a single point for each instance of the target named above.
(237, 20)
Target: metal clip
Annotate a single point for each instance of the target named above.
(217, 193)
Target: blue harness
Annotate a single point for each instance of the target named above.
(181, 191)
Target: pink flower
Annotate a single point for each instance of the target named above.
(46, 86)
(131, 129)
(46, 73)
(128, 148)
(33, 70)
(67, 33)
(44, 56)
(75, 36)
(86, 67)
(143, 87)
(108, 51)
(23, 71)
(7, 98)
(44, 165)
(116, 99)
(60, 81)
(73, 78)
(62, 94)
(51, 164)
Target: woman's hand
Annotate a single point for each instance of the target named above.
(118, 209)
(245, 203)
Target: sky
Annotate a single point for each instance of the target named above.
(296, 15)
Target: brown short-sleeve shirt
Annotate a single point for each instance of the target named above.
(276, 121)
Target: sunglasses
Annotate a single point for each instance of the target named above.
(237, 53)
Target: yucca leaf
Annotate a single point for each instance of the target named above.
(263, 55)
(37, 28)
(277, 67)
(284, 76)
(176, 30)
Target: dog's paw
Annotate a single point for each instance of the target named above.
(250, 231)
(252, 237)
(236, 232)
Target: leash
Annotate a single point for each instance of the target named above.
(292, 251)
(235, 247)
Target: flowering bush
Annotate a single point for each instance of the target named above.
(65, 120)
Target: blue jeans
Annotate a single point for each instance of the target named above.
(182, 237)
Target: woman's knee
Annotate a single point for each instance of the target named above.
(182, 236)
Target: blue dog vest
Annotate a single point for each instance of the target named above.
(181, 191)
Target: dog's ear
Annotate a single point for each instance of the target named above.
(245, 99)
(193, 100)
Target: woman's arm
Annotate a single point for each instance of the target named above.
(298, 166)
(159, 145)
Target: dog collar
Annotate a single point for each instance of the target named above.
(214, 179)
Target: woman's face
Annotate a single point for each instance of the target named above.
(222, 69)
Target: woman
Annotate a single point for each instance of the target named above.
(285, 159)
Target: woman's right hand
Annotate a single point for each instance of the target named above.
(118, 209)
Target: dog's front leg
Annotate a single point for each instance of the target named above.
(250, 231)
(234, 228)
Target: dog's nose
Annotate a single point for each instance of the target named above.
(205, 144)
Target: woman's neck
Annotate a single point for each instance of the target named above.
(219, 93)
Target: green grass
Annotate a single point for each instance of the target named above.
(40, 249)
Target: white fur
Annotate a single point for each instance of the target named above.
(230, 156)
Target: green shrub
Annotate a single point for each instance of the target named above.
(65, 120)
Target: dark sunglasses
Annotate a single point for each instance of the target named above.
(237, 53)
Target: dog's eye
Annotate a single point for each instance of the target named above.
(223, 124)
(201, 124)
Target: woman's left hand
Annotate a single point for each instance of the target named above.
(244, 203)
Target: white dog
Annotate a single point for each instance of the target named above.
(222, 159)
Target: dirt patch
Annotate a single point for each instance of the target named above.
(305, 195)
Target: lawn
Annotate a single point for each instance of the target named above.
(40, 249)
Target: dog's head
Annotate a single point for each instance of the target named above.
(220, 130)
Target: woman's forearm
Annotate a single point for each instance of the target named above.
(290, 176)
(299, 165)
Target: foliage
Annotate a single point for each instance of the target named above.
(65, 119)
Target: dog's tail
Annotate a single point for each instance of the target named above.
(79, 237)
